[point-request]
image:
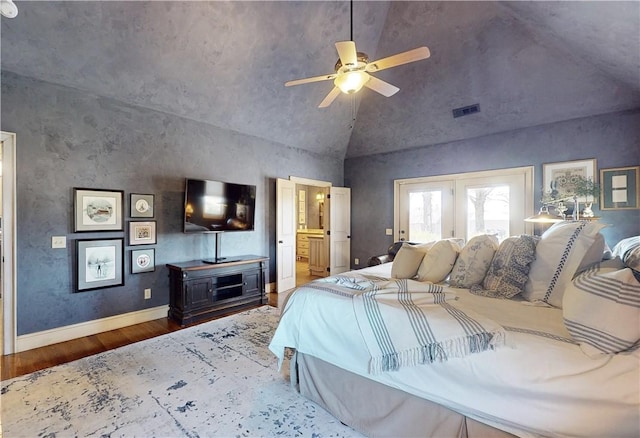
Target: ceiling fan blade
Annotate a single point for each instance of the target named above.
(347, 52)
(399, 59)
(308, 80)
(382, 87)
(330, 97)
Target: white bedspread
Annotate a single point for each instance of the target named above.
(540, 384)
(406, 322)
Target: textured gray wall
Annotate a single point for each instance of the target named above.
(613, 139)
(67, 138)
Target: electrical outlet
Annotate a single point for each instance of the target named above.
(147, 294)
(389, 231)
(356, 261)
(58, 241)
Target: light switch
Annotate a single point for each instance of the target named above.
(58, 241)
(389, 232)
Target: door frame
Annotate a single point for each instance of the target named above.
(9, 250)
(306, 182)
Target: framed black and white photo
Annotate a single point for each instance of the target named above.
(142, 233)
(142, 205)
(100, 263)
(143, 260)
(97, 210)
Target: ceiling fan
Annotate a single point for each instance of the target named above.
(352, 70)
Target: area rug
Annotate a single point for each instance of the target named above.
(215, 379)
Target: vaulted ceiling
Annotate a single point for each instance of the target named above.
(225, 64)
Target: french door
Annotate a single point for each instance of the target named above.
(428, 211)
(464, 205)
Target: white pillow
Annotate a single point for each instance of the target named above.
(559, 253)
(438, 261)
(629, 251)
(407, 260)
(594, 255)
(601, 309)
(473, 262)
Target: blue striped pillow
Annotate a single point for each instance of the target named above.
(601, 309)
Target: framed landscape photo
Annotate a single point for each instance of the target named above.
(97, 210)
(100, 263)
(620, 188)
(560, 179)
(143, 260)
(142, 233)
(142, 205)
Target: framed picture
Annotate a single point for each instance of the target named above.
(100, 263)
(141, 205)
(142, 233)
(620, 188)
(560, 179)
(97, 210)
(143, 260)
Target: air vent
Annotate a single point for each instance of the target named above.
(466, 110)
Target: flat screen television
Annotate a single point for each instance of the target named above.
(216, 206)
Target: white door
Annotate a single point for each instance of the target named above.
(285, 235)
(339, 247)
(7, 256)
(426, 211)
(491, 205)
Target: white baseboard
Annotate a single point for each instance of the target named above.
(75, 331)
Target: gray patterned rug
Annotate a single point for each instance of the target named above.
(214, 379)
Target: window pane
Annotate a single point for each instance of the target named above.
(425, 216)
(488, 211)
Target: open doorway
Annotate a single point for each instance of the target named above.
(310, 260)
(329, 250)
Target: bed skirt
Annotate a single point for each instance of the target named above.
(377, 410)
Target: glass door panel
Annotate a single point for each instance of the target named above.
(427, 211)
(491, 205)
(488, 211)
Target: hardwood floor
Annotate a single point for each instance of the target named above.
(19, 364)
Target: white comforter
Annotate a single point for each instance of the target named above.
(540, 383)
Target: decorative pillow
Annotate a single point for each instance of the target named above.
(407, 260)
(509, 268)
(438, 261)
(559, 253)
(629, 251)
(594, 255)
(601, 309)
(474, 260)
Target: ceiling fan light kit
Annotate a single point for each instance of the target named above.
(351, 82)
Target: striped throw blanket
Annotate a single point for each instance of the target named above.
(408, 323)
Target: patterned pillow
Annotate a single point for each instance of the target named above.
(509, 268)
(629, 251)
(601, 309)
(474, 260)
(438, 261)
(559, 253)
(407, 260)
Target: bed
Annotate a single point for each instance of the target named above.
(522, 372)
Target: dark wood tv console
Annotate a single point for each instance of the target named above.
(199, 290)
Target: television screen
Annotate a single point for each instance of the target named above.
(212, 206)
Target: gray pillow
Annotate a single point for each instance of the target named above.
(509, 268)
(473, 262)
